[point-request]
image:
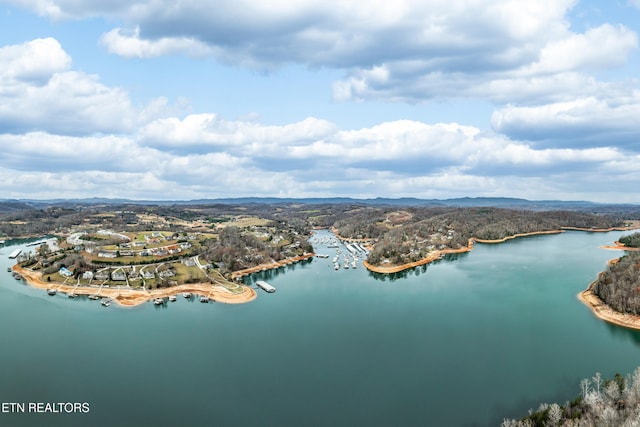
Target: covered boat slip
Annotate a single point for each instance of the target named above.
(265, 286)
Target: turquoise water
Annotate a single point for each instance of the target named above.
(465, 341)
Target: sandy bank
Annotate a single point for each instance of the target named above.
(619, 247)
(602, 311)
(271, 265)
(437, 254)
(132, 297)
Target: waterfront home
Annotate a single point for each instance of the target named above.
(146, 274)
(87, 275)
(65, 272)
(104, 254)
(166, 273)
(189, 262)
(102, 275)
(118, 276)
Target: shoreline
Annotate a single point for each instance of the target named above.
(437, 254)
(133, 297)
(264, 267)
(601, 309)
(603, 312)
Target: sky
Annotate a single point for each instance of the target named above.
(192, 99)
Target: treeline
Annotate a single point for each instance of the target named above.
(236, 250)
(613, 403)
(428, 229)
(619, 285)
(631, 241)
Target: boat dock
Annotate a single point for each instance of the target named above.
(265, 286)
(15, 253)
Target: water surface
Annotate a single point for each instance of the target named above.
(465, 341)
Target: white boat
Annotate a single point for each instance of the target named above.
(158, 301)
(204, 299)
(172, 298)
(187, 295)
(51, 291)
(105, 302)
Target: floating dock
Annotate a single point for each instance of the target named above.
(15, 253)
(264, 285)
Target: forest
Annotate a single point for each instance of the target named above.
(409, 235)
(619, 285)
(613, 403)
(631, 241)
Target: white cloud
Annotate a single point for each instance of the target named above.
(38, 91)
(605, 46)
(588, 121)
(401, 158)
(130, 45)
(408, 51)
(34, 60)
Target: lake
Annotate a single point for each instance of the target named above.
(465, 341)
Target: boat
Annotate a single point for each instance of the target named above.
(158, 301)
(51, 291)
(94, 297)
(204, 299)
(105, 302)
(172, 298)
(187, 295)
(8, 269)
(322, 256)
(265, 286)
(71, 295)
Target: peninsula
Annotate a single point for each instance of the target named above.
(613, 295)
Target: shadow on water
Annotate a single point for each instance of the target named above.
(566, 390)
(624, 333)
(272, 273)
(455, 257)
(415, 271)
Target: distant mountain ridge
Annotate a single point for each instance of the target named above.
(10, 205)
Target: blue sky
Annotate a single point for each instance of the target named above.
(432, 99)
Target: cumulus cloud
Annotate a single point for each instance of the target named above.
(39, 91)
(409, 51)
(130, 45)
(587, 121)
(239, 158)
